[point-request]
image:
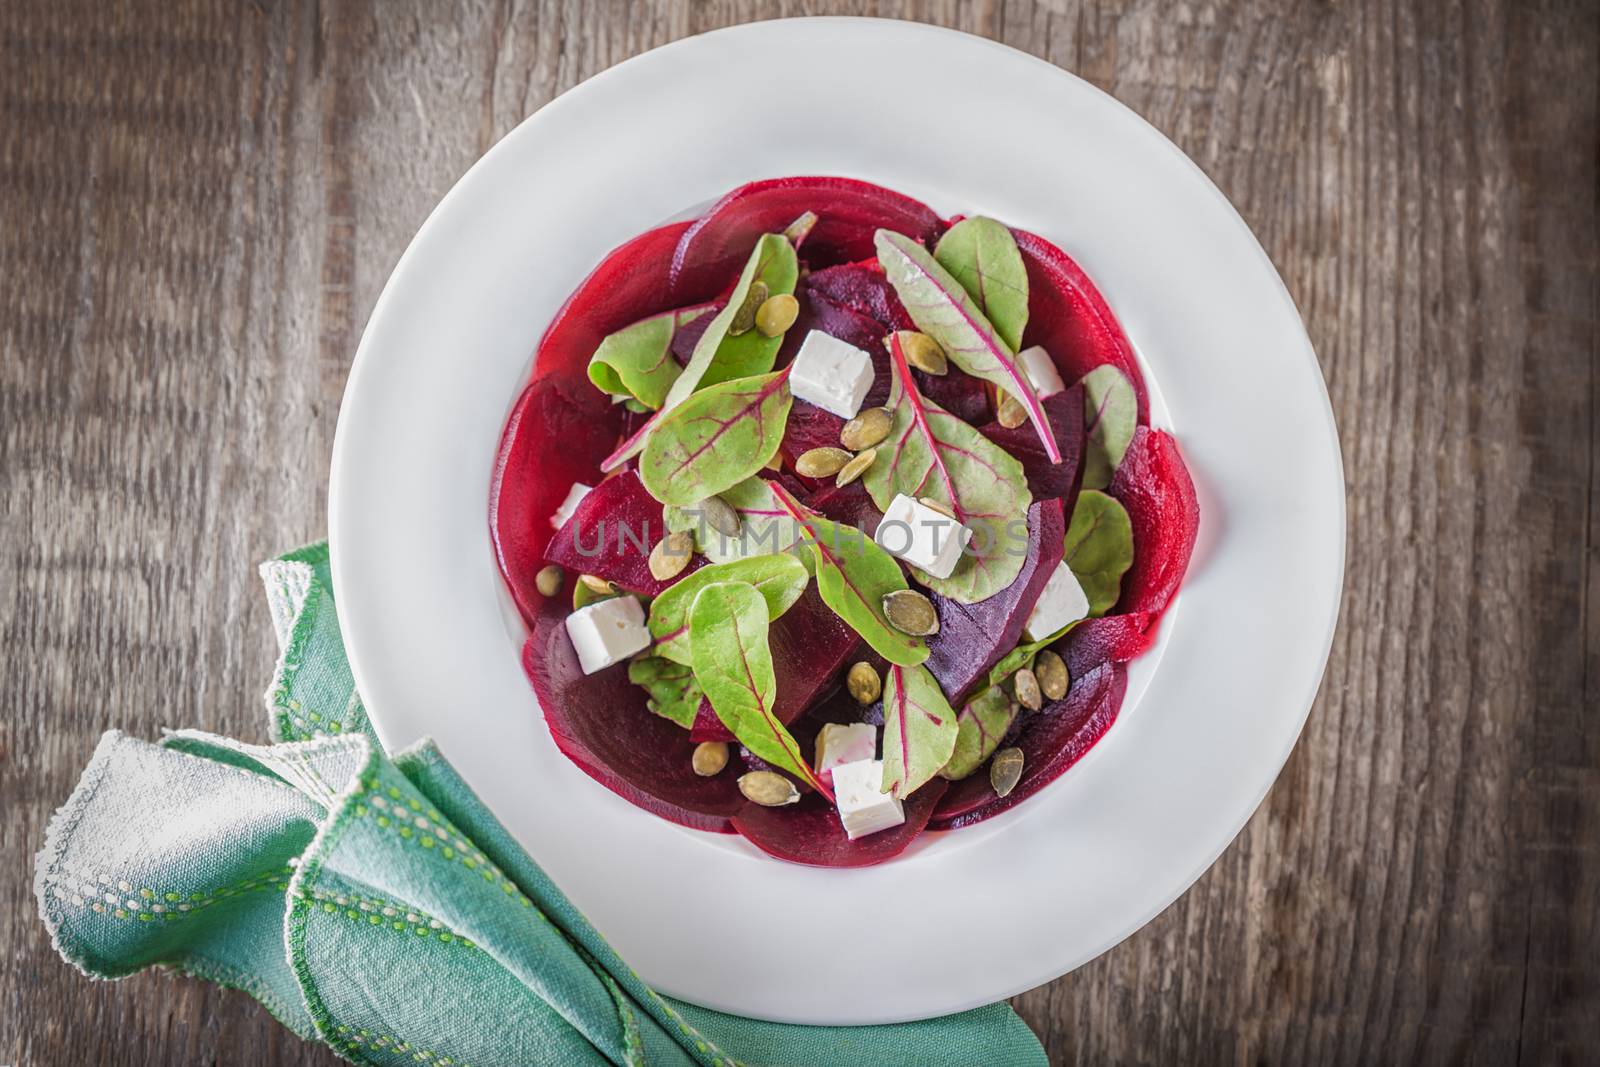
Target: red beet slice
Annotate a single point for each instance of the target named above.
(848, 212)
(1051, 740)
(851, 505)
(1046, 479)
(1154, 485)
(973, 637)
(1113, 639)
(611, 535)
(863, 289)
(600, 722)
(531, 479)
(809, 832)
(1069, 317)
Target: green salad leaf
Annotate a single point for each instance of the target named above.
(733, 664)
(1110, 412)
(919, 729)
(716, 439)
(1099, 548)
(636, 362)
(982, 255)
(764, 527)
(981, 726)
(1023, 655)
(853, 575)
(780, 579)
(674, 692)
(942, 309)
(931, 453)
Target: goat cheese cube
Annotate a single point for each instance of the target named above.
(569, 506)
(832, 374)
(863, 808)
(607, 632)
(845, 743)
(1062, 602)
(1041, 371)
(927, 539)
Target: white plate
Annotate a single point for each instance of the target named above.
(969, 126)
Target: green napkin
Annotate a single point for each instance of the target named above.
(375, 904)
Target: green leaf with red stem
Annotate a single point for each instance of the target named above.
(637, 362)
(674, 692)
(779, 578)
(919, 729)
(716, 439)
(981, 725)
(1110, 412)
(982, 255)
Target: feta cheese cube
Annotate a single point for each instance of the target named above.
(569, 506)
(835, 375)
(927, 539)
(845, 743)
(863, 809)
(1041, 371)
(607, 632)
(1062, 602)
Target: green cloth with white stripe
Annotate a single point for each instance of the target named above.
(374, 903)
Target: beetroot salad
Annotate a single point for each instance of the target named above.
(833, 521)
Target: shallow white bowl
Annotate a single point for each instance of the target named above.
(969, 126)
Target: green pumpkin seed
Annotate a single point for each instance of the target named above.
(923, 352)
(776, 314)
(866, 429)
(856, 467)
(549, 580)
(1005, 770)
(863, 683)
(911, 613)
(1051, 670)
(1011, 414)
(1026, 687)
(719, 515)
(768, 788)
(671, 555)
(709, 758)
(597, 584)
(745, 317)
(821, 462)
(936, 505)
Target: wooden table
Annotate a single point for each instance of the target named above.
(200, 202)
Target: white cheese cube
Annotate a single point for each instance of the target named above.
(863, 808)
(1041, 371)
(1062, 602)
(607, 632)
(569, 506)
(927, 539)
(832, 374)
(845, 743)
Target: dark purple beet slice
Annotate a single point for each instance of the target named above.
(1112, 639)
(1046, 479)
(600, 722)
(851, 505)
(1154, 485)
(809, 832)
(611, 535)
(973, 637)
(1052, 740)
(863, 289)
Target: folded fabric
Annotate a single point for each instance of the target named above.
(375, 904)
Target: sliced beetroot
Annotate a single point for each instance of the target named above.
(848, 213)
(973, 637)
(611, 535)
(1045, 479)
(809, 427)
(1113, 639)
(600, 722)
(531, 479)
(862, 288)
(1051, 740)
(1069, 317)
(810, 832)
(851, 505)
(1153, 484)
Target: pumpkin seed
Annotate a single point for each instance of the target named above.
(776, 314)
(1011, 414)
(821, 462)
(936, 505)
(671, 555)
(1005, 770)
(745, 317)
(709, 758)
(856, 467)
(776, 462)
(863, 683)
(720, 516)
(768, 788)
(597, 584)
(549, 580)
(923, 352)
(1051, 670)
(866, 429)
(1025, 684)
(911, 613)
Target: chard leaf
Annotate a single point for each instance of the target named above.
(1099, 548)
(674, 692)
(772, 262)
(941, 308)
(780, 579)
(733, 664)
(931, 453)
(764, 526)
(981, 726)
(1023, 655)
(1110, 411)
(716, 439)
(636, 362)
(982, 255)
(853, 575)
(919, 729)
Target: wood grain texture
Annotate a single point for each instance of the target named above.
(200, 202)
